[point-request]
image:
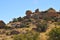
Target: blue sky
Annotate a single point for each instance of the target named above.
(10, 9)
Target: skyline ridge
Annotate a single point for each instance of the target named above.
(34, 11)
(15, 8)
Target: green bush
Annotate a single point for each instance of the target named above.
(27, 36)
(54, 34)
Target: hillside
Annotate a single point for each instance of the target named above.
(38, 24)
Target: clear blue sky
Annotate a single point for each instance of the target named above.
(15, 8)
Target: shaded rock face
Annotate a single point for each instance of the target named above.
(2, 24)
(51, 13)
(48, 13)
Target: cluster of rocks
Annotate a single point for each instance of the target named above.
(37, 15)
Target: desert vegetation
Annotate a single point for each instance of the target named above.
(38, 25)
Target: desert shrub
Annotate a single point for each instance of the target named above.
(27, 36)
(35, 16)
(58, 23)
(22, 25)
(27, 26)
(29, 20)
(54, 34)
(14, 32)
(19, 19)
(2, 32)
(51, 19)
(41, 27)
(7, 33)
(8, 28)
(14, 19)
(47, 18)
(27, 23)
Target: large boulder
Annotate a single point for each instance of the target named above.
(2, 24)
(28, 13)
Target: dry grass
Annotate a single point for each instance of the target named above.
(43, 35)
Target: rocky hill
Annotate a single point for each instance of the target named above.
(39, 21)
